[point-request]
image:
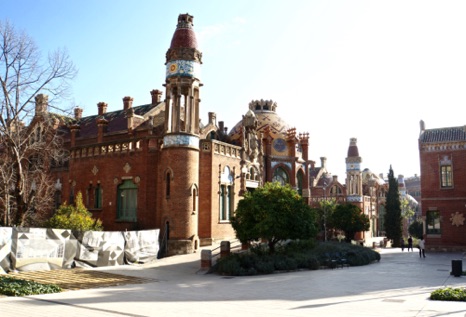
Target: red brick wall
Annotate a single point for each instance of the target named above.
(447, 201)
(109, 173)
(210, 226)
(178, 207)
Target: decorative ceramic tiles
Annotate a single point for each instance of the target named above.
(177, 140)
(183, 68)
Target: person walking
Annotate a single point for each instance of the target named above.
(422, 246)
(402, 243)
(410, 243)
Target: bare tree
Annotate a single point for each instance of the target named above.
(30, 139)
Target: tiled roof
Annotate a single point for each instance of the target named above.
(453, 134)
(184, 38)
(117, 121)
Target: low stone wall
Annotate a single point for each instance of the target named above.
(33, 249)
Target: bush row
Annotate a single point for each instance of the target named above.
(449, 294)
(293, 256)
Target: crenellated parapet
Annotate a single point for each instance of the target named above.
(105, 149)
(263, 105)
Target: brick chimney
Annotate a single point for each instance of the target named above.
(78, 113)
(101, 129)
(127, 102)
(74, 128)
(42, 101)
(102, 108)
(212, 118)
(156, 96)
(323, 161)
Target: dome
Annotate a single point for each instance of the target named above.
(184, 36)
(265, 112)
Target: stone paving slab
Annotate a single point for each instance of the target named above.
(399, 285)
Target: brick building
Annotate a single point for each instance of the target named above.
(157, 165)
(442, 154)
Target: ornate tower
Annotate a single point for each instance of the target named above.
(180, 151)
(353, 173)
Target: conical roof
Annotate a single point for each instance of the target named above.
(184, 36)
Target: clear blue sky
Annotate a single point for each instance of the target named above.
(337, 69)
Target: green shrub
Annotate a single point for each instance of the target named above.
(449, 294)
(313, 263)
(229, 265)
(294, 255)
(284, 263)
(265, 267)
(297, 246)
(75, 217)
(17, 287)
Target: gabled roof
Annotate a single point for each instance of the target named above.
(452, 134)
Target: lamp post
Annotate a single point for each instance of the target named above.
(324, 207)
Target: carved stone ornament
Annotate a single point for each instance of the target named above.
(137, 180)
(127, 168)
(115, 181)
(457, 219)
(95, 170)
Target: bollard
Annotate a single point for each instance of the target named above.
(206, 259)
(456, 268)
(224, 248)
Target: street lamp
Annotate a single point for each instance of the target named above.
(324, 207)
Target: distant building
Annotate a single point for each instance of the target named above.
(362, 188)
(413, 188)
(411, 204)
(443, 186)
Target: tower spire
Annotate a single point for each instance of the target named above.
(182, 81)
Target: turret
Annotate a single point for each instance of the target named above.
(180, 151)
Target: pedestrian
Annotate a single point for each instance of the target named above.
(422, 246)
(402, 242)
(410, 243)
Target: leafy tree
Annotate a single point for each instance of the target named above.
(350, 219)
(327, 207)
(28, 139)
(393, 219)
(76, 218)
(407, 211)
(275, 213)
(416, 229)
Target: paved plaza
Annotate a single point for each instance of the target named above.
(399, 285)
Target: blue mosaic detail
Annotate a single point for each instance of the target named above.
(183, 140)
(287, 164)
(353, 167)
(183, 68)
(354, 199)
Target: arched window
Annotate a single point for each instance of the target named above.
(127, 196)
(335, 191)
(167, 184)
(299, 182)
(98, 197)
(281, 176)
(195, 199)
(226, 199)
